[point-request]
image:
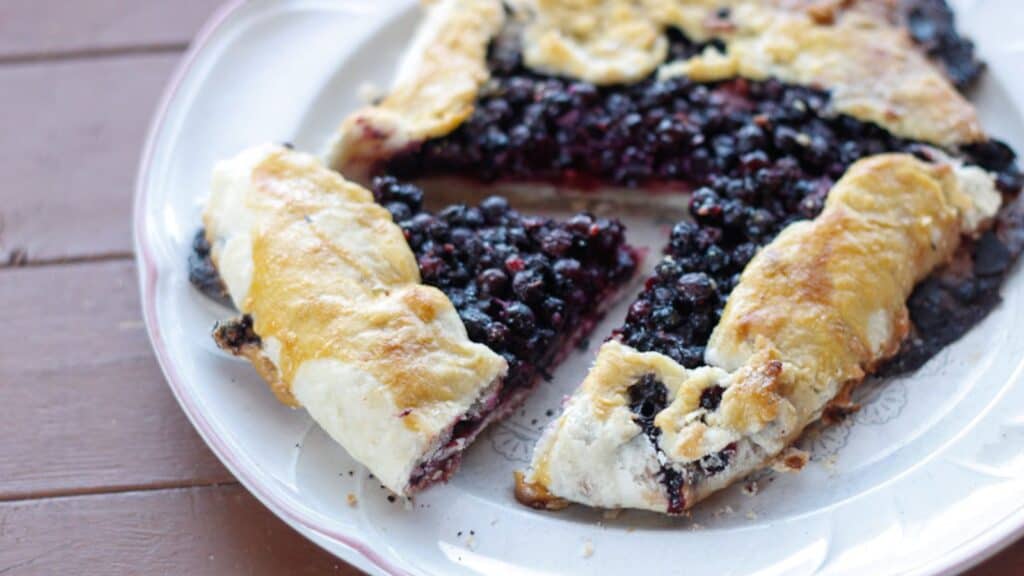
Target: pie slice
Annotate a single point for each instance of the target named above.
(402, 340)
(799, 331)
(746, 115)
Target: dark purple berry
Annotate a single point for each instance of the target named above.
(528, 285)
(519, 317)
(492, 281)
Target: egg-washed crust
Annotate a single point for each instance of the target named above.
(858, 50)
(798, 332)
(870, 66)
(337, 310)
(434, 90)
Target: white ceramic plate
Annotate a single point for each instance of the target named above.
(927, 478)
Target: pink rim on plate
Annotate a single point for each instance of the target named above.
(148, 275)
(293, 512)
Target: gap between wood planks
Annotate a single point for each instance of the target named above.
(104, 490)
(92, 54)
(204, 530)
(20, 259)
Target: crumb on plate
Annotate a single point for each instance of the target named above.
(588, 549)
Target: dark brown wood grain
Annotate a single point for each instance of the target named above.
(85, 406)
(1009, 562)
(214, 531)
(32, 28)
(72, 136)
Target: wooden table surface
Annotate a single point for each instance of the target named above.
(100, 471)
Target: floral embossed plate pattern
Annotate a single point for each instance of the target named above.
(927, 478)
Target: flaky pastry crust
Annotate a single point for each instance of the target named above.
(346, 329)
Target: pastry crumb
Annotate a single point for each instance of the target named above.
(588, 549)
(352, 500)
(751, 515)
(369, 93)
(829, 463)
(696, 526)
(791, 460)
(611, 514)
(724, 511)
(751, 488)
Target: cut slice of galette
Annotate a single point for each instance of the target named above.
(798, 332)
(750, 115)
(402, 332)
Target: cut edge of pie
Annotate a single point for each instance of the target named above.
(337, 319)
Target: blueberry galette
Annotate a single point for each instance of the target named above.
(846, 212)
(403, 333)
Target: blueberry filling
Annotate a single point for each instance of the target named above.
(526, 287)
(520, 283)
(711, 397)
(647, 397)
(932, 26)
(237, 335)
(201, 271)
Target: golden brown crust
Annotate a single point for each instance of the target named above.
(593, 40)
(869, 64)
(321, 296)
(842, 405)
(535, 495)
(436, 89)
(755, 397)
(332, 277)
(889, 222)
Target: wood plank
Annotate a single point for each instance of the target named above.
(85, 405)
(53, 27)
(1009, 562)
(212, 530)
(73, 132)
